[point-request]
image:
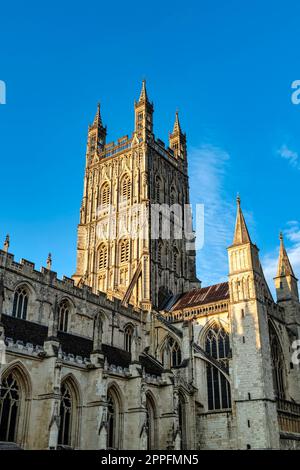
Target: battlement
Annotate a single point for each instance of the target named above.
(46, 276)
(113, 148)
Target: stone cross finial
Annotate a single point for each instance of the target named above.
(49, 261)
(6, 243)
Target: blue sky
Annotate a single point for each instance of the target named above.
(226, 65)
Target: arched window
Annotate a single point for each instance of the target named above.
(63, 315)
(128, 335)
(182, 416)
(124, 251)
(113, 420)
(218, 388)
(171, 353)
(175, 259)
(102, 257)
(277, 363)
(10, 401)
(157, 189)
(20, 303)
(105, 195)
(66, 412)
(150, 423)
(125, 188)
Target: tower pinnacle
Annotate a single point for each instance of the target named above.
(241, 234)
(284, 265)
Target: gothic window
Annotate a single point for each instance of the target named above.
(63, 315)
(128, 334)
(150, 423)
(124, 251)
(175, 260)
(157, 189)
(10, 400)
(218, 388)
(20, 303)
(182, 416)
(105, 195)
(102, 257)
(125, 188)
(277, 363)
(171, 353)
(113, 420)
(66, 412)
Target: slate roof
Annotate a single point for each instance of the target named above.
(202, 296)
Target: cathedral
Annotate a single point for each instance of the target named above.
(132, 352)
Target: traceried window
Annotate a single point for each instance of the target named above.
(113, 420)
(128, 335)
(171, 353)
(63, 315)
(175, 259)
(218, 388)
(66, 413)
(10, 400)
(102, 257)
(157, 189)
(20, 303)
(105, 195)
(124, 251)
(277, 363)
(125, 188)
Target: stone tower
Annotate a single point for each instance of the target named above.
(287, 288)
(131, 244)
(251, 370)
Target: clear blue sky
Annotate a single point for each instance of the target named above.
(227, 65)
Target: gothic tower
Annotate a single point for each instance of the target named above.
(128, 245)
(251, 370)
(287, 288)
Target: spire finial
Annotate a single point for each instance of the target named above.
(143, 95)
(49, 261)
(6, 243)
(98, 119)
(176, 128)
(284, 265)
(241, 234)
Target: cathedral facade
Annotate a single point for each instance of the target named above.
(132, 352)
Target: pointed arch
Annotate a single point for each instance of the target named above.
(170, 352)
(115, 413)
(125, 188)
(278, 364)
(70, 412)
(151, 421)
(15, 400)
(216, 343)
(128, 336)
(105, 195)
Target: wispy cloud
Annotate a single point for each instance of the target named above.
(290, 155)
(292, 243)
(208, 168)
